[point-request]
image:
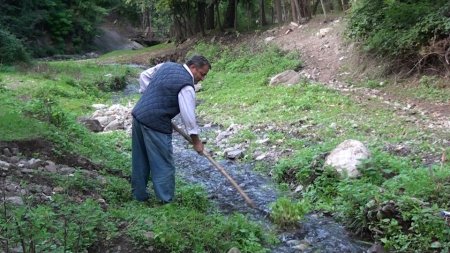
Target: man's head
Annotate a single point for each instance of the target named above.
(199, 67)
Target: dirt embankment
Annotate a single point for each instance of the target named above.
(330, 60)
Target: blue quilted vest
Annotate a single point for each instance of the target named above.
(159, 103)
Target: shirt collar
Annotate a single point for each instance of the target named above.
(189, 70)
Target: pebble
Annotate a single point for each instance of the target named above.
(26, 171)
(15, 200)
(67, 170)
(4, 164)
(51, 167)
(58, 189)
(7, 152)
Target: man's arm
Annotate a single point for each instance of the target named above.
(186, 100)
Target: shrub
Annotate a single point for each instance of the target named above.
(398, 28)
(11, 49)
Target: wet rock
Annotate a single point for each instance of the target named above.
(376, 248)
(7, 152)
(91, 124)
(347, 156)
(288, 78)
(15, 151)
(14, 159)
(301, 247)
(4, 165)
(15, 200)
(114, 125)
(293, 242)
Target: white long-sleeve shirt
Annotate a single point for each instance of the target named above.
(186, 98)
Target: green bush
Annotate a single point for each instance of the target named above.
(11, 49)
(398, 28)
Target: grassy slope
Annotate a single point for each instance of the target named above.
(44, 102)
(312, 120)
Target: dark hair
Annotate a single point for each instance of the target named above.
(199, 61)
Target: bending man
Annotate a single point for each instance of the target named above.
(170, 91)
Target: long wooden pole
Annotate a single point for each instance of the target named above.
(218, 167)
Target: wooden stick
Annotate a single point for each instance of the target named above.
(218, 167)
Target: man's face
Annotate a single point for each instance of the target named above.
(199, 73)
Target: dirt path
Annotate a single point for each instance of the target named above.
(328, 60)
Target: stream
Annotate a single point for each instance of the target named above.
(315, 233)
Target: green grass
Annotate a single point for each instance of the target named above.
(44, 101)
(312, 119)
(129, 52)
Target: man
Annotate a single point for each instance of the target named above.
(146, 77)
(170, 91)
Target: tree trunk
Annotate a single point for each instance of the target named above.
(201, 9)
(230, 14)
(210, 16)
(294, 15)
(324, 10)
(218, 16)
(277, 4)
(235, 14)
(262, 13)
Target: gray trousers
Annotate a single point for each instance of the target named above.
(152, 157)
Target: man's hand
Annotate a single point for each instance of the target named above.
(197, 143)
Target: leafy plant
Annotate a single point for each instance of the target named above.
(285, 212)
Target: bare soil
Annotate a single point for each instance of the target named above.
(330, 60)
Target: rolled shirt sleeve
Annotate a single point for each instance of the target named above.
(186, 101)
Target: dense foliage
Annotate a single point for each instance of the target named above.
(49, 27)
(399, 28)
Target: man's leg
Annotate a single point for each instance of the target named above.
(140, 166)
(160, 153)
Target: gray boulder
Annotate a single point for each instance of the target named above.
(347, 156)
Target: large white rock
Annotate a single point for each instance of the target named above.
(347, 156)
(288, 77)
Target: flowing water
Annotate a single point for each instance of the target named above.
(318, 233)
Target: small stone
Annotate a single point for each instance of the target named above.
(15, 151)
(58, 189)
(234, 250)
(5, 165)
(7, 152)
(235, 154)
(51, 167)
(114, 125)
(14, 159)
(34, 163)
(293, 242)
(301, 247)
(299, 188)
(15, 200)
(26, 171)
(260, 157)
(67, 170)
(11, 188)
(99, 106)
(149, 235)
